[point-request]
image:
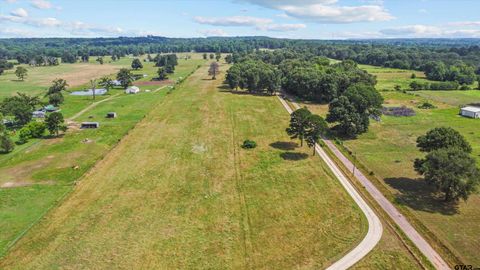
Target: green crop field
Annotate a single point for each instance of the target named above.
(180, 192)
(37, 174)
(388, 150)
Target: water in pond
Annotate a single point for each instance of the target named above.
(89, 92)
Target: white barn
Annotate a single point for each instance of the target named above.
(472, 112)
(132, 90)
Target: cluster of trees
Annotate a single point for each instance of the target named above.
(54, 92)
(349, 90)
(166, 64)
(255, 76)
(448, 166)
(458, 72)
(306, 126)
(125, 77)
(20, 109)
(320, 82)
(137, 64)
(352, 110)
(425, 85)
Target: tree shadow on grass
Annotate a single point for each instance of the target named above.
(295, 156)
(416, 194)
(285, 146)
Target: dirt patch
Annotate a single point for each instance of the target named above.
(80, 74)
(199, 148)
(14, 184)
(160, 83)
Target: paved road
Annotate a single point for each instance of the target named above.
(390, 209)
(375, 228)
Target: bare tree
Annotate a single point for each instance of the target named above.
(93, 83)
(214, 70)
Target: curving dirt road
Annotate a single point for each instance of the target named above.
(389, 208)
(375, 228)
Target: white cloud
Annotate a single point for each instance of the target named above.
(335, 14)
(15, 32)
(79, 28)
(426, 31)
(41, 4)
(466, 23)
(259, 23)
(19, 12)
(10, 1)
(38, 22)
(279, 3)
(213, 33)
(282, 27)
(413, 30)
(233, 21)
(328, 11)
(355, 35)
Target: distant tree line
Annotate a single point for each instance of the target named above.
(442, 60)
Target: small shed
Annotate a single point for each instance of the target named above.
(90, 125)
(132, 90)
(111, 115)
(38, 114)
(472, 112)
(50, 108)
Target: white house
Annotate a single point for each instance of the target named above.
(472, 112)
(132, 90)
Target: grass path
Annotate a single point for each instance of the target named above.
(91, 106)
(179, 192)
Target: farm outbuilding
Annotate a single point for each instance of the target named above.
(132, 90)
(38, 114)
(472, 112)
(112, 115)
(90, 125)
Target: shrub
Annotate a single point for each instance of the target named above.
(24, 135)
(249, 144)
(427, 105)
(465, 87)
(6, 144)
(398, 111)
(37, 129)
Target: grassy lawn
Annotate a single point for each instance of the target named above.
(179, 192)
(453, 98)
(40, 78)
(43, 170)
(388, 149)
(387, 78)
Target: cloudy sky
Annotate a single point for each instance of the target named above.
(312, 19)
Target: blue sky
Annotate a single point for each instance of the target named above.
(311, 19)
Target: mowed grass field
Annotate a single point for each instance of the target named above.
(388, 150)
(36, 175)
(180, 192)
(457, 98)
(40, 78)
